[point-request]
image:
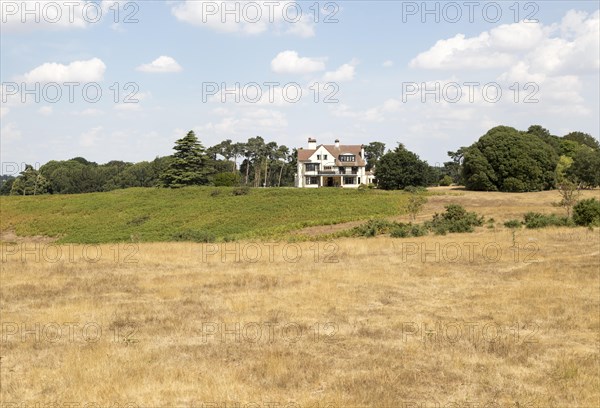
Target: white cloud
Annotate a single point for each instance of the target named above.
(43, 14)
(249, 18)
(289, 62)
(85, 71)
(387, 64)
(45, 110)
(344, 73)
(89, 138)
(162, 64)
(572, 45)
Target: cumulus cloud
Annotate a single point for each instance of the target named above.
(571, 45)
(343, 73)
(289, 62)
(78, 71)
(162, 64)
(250, 18)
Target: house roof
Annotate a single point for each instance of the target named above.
(305, 154)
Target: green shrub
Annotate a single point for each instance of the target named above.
(372, 228)
(513, 224)
(193, 236)
(226, 180)
(446, 181)
(587, 212)
(363, 187)
(455, 219)
(245, 190)
(215, 193)
(537, 220)
(418, 230)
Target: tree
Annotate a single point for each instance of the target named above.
(373, 152)
(505, 159)
(6, 186)
(30, 182)
(415, 204)
(585, 168)
(189, 164)
(283, 154)
(401, 168)
(569, 193)
(584, 139)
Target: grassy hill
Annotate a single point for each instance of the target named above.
(152, 215)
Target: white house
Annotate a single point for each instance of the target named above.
(333, 165)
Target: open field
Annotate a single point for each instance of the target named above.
(157, 215)
(482, 318)
(151, 215)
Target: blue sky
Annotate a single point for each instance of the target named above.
(377, 56)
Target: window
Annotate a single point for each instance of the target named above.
(324, 157)
(347, 158)
(312, 180)
(349, 180)
(318, 157)
(312, 167)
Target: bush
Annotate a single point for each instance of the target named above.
(194, 236)
(537, 220)
(372, 228)
(587, 212)
(446, 181)
(363, 187)
(226, 180)
(455, 219)
(245, 190)
(513, 224)
(215, 193)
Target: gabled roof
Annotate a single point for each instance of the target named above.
(305, 154)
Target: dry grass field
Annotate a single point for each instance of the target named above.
(488, 319)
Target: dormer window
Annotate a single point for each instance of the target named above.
(347, 158)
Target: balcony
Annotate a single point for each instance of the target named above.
(337, 173)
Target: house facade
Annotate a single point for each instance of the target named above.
(333, 165)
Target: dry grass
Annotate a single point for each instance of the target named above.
(364, 320)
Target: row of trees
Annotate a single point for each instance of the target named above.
(262, 164)
(504, 159)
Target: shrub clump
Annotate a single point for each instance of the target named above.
(537, 220)
(455, 219)
(587, 213)
(194, 236)
(372, 228)
(408, 230)
(239, 191)
(446, 181)
(513, 224)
